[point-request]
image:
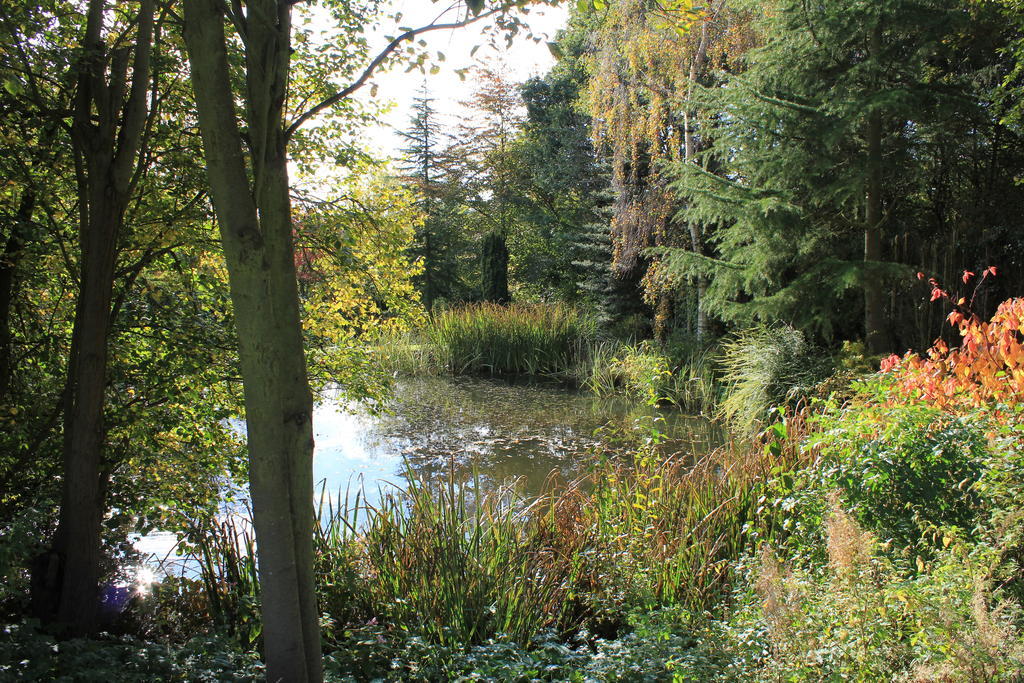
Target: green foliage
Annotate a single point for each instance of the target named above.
(764, 368)
(639, 371)
(527, 339)
(25, 655)
(451, 563)
(494, 269)
(904, 469)
(786, 167)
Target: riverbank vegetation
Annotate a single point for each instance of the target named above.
(874, 537)
(743, 211)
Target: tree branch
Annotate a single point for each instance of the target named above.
(378, 60)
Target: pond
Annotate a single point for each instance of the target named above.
(495, 430)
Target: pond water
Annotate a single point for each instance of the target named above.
(498, 431)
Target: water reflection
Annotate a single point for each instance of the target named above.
(497, 430)
(463, 427)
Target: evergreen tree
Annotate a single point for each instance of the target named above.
(818, 147)
(647, 60)
(490, 170)
(426, 167)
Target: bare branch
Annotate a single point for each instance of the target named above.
(379, 59)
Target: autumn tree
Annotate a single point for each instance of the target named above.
(648, 59)
(487, 138)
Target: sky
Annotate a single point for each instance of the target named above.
(522, 60)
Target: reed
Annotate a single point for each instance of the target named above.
(644, 372)
(457, 565)
(542, 339)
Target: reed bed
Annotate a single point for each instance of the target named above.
(542, 339)
(555, 341)
(455, 565)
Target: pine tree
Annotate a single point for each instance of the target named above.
(425, 165)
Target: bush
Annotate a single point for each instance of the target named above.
(639, 371)
(903, 469)
(27, 655)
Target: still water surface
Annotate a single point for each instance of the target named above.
(497, 430)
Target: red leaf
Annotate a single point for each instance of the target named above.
(920, 275)
(890, 363)
(936, 294)
(967, 276)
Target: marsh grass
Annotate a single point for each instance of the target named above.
(459, 565)
(556, 341)
(449, 561)
(763, 368)
(543, 339)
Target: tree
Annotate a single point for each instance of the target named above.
(561, 181)
(819, 162)
(427, 170)
(648, 59)
(486, 153)
(249, 184)
(107, 132)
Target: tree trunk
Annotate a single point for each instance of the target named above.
(107, 130)
(256, 232)
(8, 269)
(689, 154)
(874, 294)
(494, 268)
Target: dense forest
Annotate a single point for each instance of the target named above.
(797, 225)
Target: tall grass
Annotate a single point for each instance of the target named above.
(556, 341)
(455, 565)
(646, 373)
(766, 367)
(517, 339)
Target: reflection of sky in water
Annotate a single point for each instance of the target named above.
(464, 428)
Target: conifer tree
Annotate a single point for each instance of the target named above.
(818, 145)
(426, 169)
(490, 169)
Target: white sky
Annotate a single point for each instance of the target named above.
(521, 61)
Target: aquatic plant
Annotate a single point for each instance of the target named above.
(541, 339)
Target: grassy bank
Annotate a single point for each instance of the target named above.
(737, 380)
(553, 341)
(544, 340)
(873, 540)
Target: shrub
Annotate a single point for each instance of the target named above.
(904, 468)
(987, 368)
(639, 371)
